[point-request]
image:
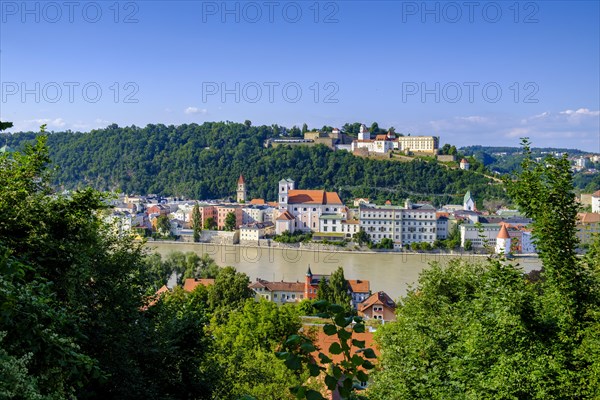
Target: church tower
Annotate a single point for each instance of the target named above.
(241, 190)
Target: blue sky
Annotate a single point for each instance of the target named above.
(483, 74)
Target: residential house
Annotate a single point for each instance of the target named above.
(278, 292)
(378, 306)
(252, 233)
(588, 225)
(361, 290)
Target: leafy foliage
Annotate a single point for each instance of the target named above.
(341, 377)
(487, 330)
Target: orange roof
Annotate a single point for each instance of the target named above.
(442, 214)
(351, 222)
(359, 286)
(191, 283)
(154, 299)
(464, 161)
(380, 298)
(503, 234)
(241, 179)
(258, 202)
(306, 196)
(313, 197)
(273, 203)
(332, 198)
(322, 342)
(381, 137)
(596, 193)
(588, 218)
(285, 216)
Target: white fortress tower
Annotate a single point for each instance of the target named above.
(364, 133)
(503, 241)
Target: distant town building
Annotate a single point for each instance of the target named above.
(302, 209)
(464, 164)
(417, 144)
(588, 225)
(480, 236)
(596, 202)
(414, 223)
(252, 233)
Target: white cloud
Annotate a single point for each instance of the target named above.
(581, 112)
(572, 128)
(51, 123)
(195, 110)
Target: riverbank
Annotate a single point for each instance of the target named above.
(392, 272)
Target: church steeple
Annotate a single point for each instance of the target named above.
(308, 271)
(241, 190)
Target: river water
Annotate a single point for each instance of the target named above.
(390, 272)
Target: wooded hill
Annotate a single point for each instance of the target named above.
(204, 162)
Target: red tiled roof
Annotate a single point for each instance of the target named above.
(381, 298)
(332, 198)
(241, 179)
(596, 193)
(381, 137)
(464, 161)
(190, 284)
(306, 196)
(273, 203)
(258, 202)
(285, 216)
(359, 285)
(313, 197)
(323, 342)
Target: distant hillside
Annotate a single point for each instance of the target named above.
(508, 159)
(204, 162)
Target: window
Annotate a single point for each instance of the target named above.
(295, 208)
(314, 209)
(304, 209)
(274, 295)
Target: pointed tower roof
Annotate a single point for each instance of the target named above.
(308, 271)
(467, 196)
(241, 180)
(503, 234)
